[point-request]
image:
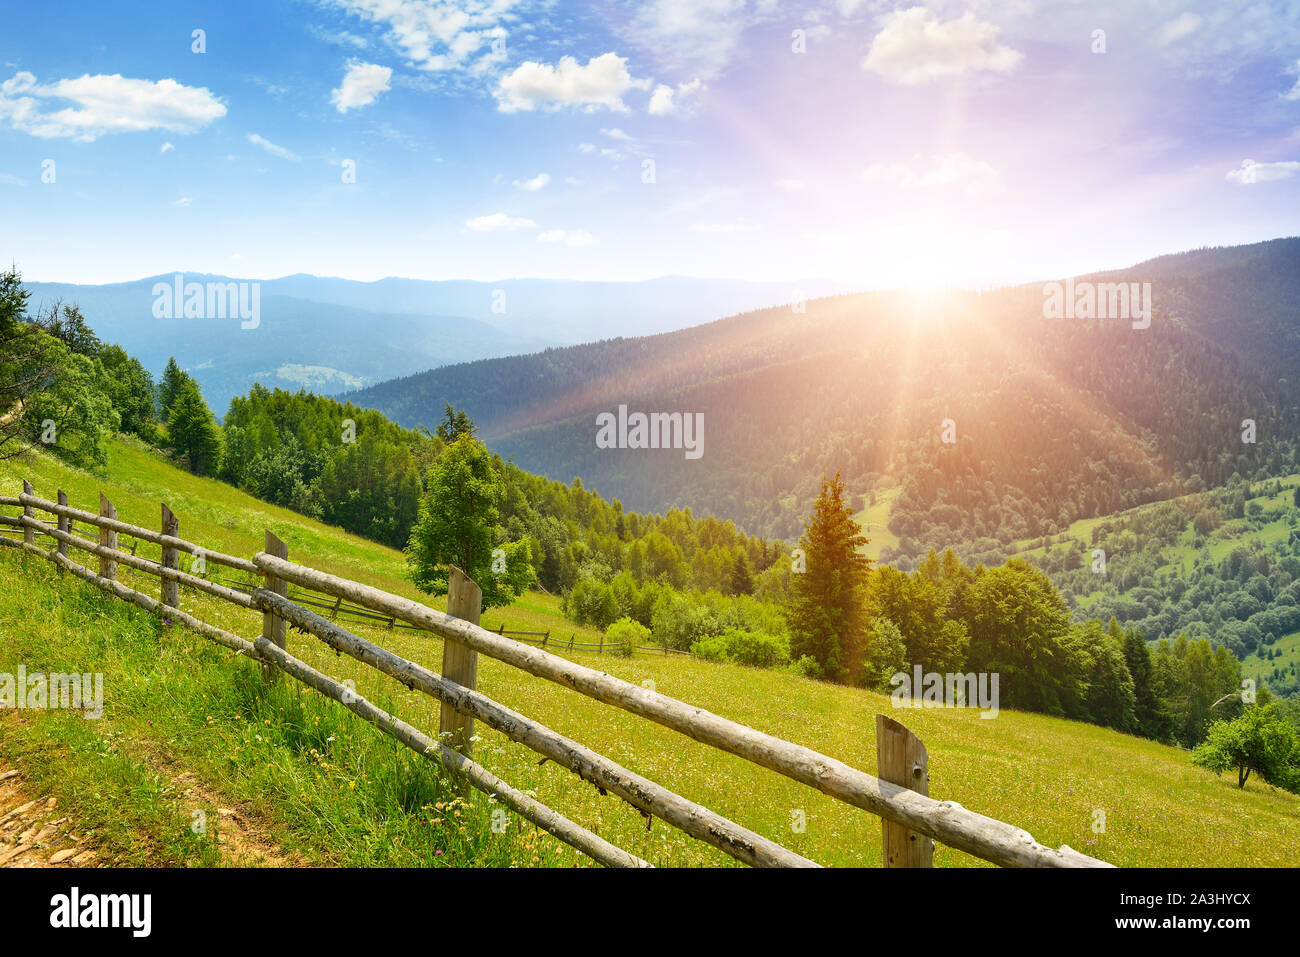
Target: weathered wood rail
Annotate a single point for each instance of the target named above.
(911, 820)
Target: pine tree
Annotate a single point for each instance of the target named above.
(827, 611)
(742, 574)
(192, 432)
(169, 386)
(454, 424)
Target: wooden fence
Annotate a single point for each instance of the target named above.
(910, 820)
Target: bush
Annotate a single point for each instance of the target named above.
(592, 603)
(806, 667)
(627, 633)
(754, 648)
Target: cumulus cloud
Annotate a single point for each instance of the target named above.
(104, 104)
(665, 101)
(499, 223)
(166, 147)
(361, 85)
(1251, 172)
(534, 184)
(271, 148)
(602, 82)
(915, 47)
(954, 170)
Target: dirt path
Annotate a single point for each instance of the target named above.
(33, 833)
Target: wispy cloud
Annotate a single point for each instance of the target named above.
(280, 151)
(499, 223)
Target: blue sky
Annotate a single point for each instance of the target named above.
(880, 143)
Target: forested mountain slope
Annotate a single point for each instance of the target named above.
(1054, 419)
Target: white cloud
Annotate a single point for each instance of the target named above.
(586, 147)
(105, 104)
(271, 148)
(361, 85)
(665, 101)
(499, 223)
(534, 184)
(951, 170)
(166, 147)
(438, 35)
(576, 238)
(1179, 28)
(699, 37)
(791, 185)
(614, 133)
(916, 47)
(574, 181)
(601, 83)
(183, 201)
(1251, 172)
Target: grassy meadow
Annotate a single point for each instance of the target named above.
(189, 726)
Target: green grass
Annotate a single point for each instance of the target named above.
(874, 520)
(1253, 666)
(328, 788)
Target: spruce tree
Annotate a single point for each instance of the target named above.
(192, 432)
(827, 611)
(170, 385)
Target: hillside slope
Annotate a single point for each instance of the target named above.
(1056, 419)
(333, 790)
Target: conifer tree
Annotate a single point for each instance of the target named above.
(827, 613)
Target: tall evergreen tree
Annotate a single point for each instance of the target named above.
(192, 432)
(169, 386)
(827, 611)
(454, 424)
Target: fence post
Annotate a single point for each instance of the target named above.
(602, 644)
(272, 624)
(107, 538)
(29, 534)
(64, 524)
(460, 662)
(901, 759)
(170, 558)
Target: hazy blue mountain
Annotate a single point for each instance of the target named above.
(334, 335)
(316, 344)
(560, 310)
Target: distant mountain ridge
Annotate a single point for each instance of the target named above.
(351, 334)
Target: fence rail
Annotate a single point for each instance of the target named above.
(910, 819)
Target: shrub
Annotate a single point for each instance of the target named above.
(806, 667)
(755, 648)
(627, 633)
